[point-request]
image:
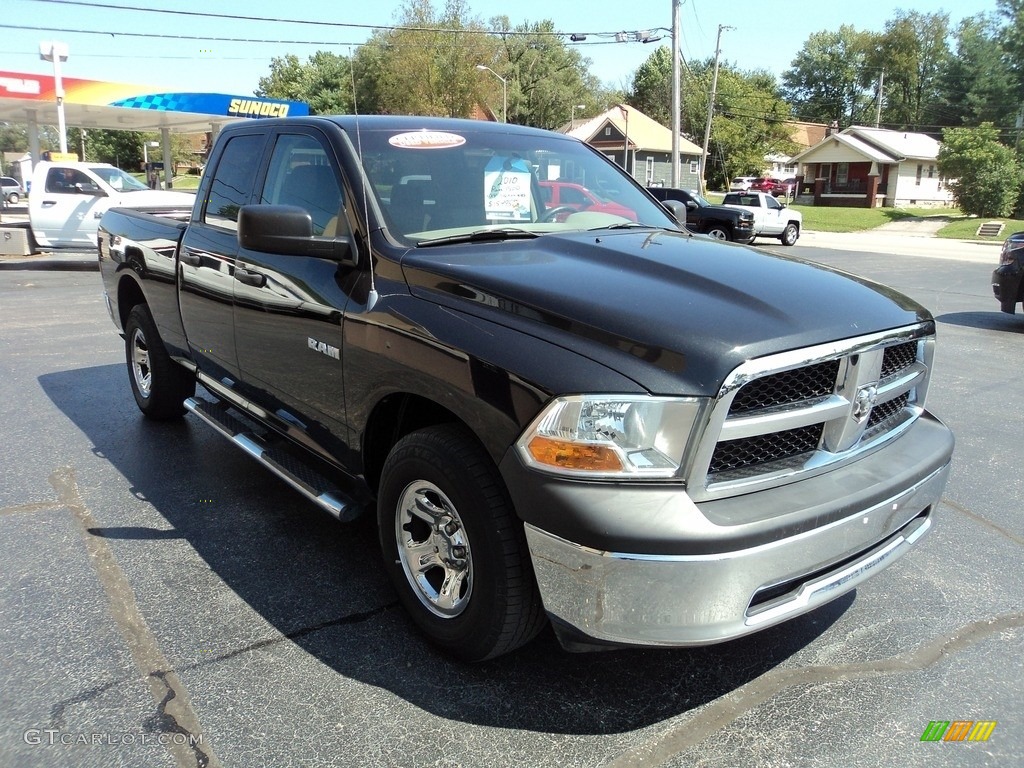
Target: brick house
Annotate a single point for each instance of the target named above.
(872, 167)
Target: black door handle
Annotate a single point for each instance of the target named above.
(255, 279)
(191, 258)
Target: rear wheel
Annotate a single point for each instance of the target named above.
(453, 546)
(790, 234)
(13, 198)
(160, 385)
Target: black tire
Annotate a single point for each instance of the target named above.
(790, 234)
(160, 385)
(718, 233)
(13, 198)
(464, 535)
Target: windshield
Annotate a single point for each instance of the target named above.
(441, 184)
(118, 179)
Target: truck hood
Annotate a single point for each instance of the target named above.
(672, 311)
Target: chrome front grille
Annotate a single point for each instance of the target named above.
(787, 387)
(781, 417)
(758, 450)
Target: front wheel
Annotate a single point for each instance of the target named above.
(719, 233)
(159, 384)
(790, 234)
(453, 546)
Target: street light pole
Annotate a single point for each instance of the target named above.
(57, 52)
(676, 102)
(504, 91)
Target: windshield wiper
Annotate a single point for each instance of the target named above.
(626, 225)
(480, 236)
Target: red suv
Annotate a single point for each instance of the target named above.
(771, 186)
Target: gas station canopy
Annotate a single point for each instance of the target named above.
(30, 98)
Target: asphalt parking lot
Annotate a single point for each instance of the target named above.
(165, 601)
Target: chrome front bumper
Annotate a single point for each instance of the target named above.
(676, 600)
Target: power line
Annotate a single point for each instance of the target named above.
(313, 23)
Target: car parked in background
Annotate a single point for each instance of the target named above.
(576, 197)
(741, 183)
(717, 221)
(1008, 278)
(767, 184)
(12, 189)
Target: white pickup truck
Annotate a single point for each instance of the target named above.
(67, 200)
(771, 218)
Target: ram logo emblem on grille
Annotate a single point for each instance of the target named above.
(865, 400)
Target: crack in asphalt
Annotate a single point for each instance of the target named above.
(26, 509)
(730, 707)
(174, 711)
(984, 521)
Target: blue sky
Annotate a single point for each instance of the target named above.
(767, 34)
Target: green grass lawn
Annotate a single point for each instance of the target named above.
(966, 228)
(189, 181)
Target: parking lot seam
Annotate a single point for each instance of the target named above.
(174, 710)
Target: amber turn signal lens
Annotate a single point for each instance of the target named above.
(567, 455)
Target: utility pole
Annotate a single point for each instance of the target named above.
(711, 111)
(878, 108)
(676, 105)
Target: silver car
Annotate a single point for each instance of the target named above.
(12, 189)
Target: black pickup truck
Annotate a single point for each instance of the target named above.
(645, 436)
(715, 221)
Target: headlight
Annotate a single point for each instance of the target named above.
(1009, 252)
(608, 436)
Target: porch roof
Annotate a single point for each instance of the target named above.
(843, 148)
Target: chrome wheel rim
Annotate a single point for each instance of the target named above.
(717, 234)
(140, 363)
(433, 549)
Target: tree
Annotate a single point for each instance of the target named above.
(826, 81)
(750, 121)
(914, 53)
(978, 84)
(985, 176)
(120, 148)
(427, 66)
(1013, 41)
(545, 77)
(651, 91)
(324, 82)
(285, 81)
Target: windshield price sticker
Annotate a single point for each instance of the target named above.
(507, 190)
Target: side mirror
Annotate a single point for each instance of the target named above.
(287, 230)
(691, 205)
(677, 209)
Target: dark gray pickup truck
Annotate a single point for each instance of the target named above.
(642, 435)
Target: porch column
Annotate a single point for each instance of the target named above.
(873, 191)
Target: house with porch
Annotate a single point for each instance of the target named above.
(641, 145)
(870, 168)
